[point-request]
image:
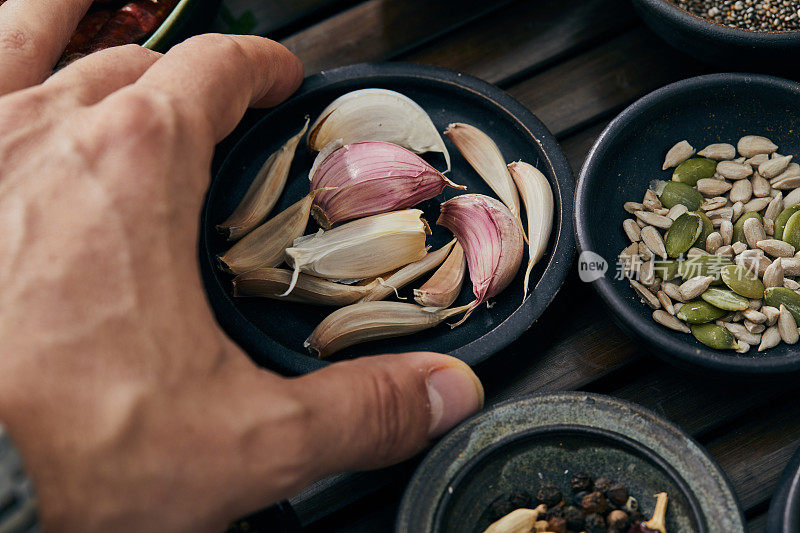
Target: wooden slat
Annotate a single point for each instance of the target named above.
(757, 524)
(379, 29)
(273, 15)
(576, 147)
(525, 36)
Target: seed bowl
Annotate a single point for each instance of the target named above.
(784, 510)
(629, 154)
(273, 332)
(546, 438)
(717, 44)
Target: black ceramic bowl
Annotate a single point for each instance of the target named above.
(273, 332)
(784, 510)
(717, 44)
(188, 18)
(546, 438)
(628, 155)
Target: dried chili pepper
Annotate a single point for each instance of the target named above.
(132, 23)
(84, 33)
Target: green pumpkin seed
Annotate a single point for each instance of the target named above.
(725, 299)
(742, 281)
(704, 265)
(791, 233)
(706, 230)
(683, 233)
(666, 269)
(782, 219)
(692, 170)
(672, 193)
(738, 228)
(715, 336)
(699, 312)
(777, 296)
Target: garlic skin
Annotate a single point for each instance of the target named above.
(363, 248)
(492, 242)
(265, 245)
(487, 160)
(263, 193)
(537, 195)
(370, 178)
(377, 115)
(367, 321)
(442, 289)
(271, 282)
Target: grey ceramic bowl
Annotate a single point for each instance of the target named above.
(547, 437)
(628, 155)
(719, 45)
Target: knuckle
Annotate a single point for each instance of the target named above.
(388, 410)
(143, 118)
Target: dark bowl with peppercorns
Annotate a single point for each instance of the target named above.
(583, 456)
(711, 40)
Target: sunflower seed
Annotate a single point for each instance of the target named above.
(718, 151)
(741, 191)
(632, 207)
(644, 252)
(714, 242)
(752, 145)
(741, 333)
(653, 219)
(694, 287)
(632, 230)
(651, 201)
(769, 227)
(723, 213)
(756, 317)
(761, 186)
(755, 304)
(714, 203)
(752, 327)
(790, 179)
(666, 302)
(669, 321)
(757, 160)
(647, 274)
(774, 208)
(791, 199)
(644, 293)
(739, 247)
(678, 154)
(672, 290)
(774, 167)
(712, 187)
(738, 209)
(791, 284)
(677, 211)
(772, 314)
(787, 327)
(791, 266)
(725, 251)
(753, 232)
(756, 204)
(776, 248)
(770, 339)
(773, 275)
(726, 231)
(734, 171)
(653, 240)
(743, 347)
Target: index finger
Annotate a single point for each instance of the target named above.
(215, 78)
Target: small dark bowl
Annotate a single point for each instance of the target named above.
(629, 154)
(272, 332)
(189, 17)
(784, 510)
(719, 45)
(520, 444)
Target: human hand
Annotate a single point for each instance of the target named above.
(131, 408)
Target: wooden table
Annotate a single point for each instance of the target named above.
(575, 64)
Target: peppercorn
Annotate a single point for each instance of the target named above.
(557, 524)
(602, 484)
(574, 517)
(595, 524)
(506, 503)
(594, 502)
(554, 512)
(617, 494)
(581, 482)
(550, 495)
(578, 497)
(618, 519)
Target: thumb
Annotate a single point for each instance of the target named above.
(376, 411)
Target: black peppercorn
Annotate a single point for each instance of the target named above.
(617, 494)
(602, 484)
(557, 524)
(594, 502)
(550, 495)
(574, 517)
(581, 482)
(507, 503)
(554, 512)
(618, 519)
(595, 524)
(578, 497)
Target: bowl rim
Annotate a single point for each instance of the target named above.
(623, 441)
(667, 8)
(556, 265)
(512, 417)
(153, 41)
(655, 335)
(784, 509)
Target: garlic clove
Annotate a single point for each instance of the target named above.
(367, 321)
(263, 193)
(363, 248)
(271, 282)
(408, 273)
(492, 242)
(442, 289)
(370, 178)
(487, 160)
(265, 245)
(377, 115)
(538, 198)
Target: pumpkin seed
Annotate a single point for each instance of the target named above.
(783, 218)
(707, 228)
(725, 299)
(672, 193)
(743, 281)
(778, 296)
(694, 169)
(738, 228)
(699, 312)
(683, 233)
(706, 265)
(715, 337)
(666, 269)
(791, 232)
